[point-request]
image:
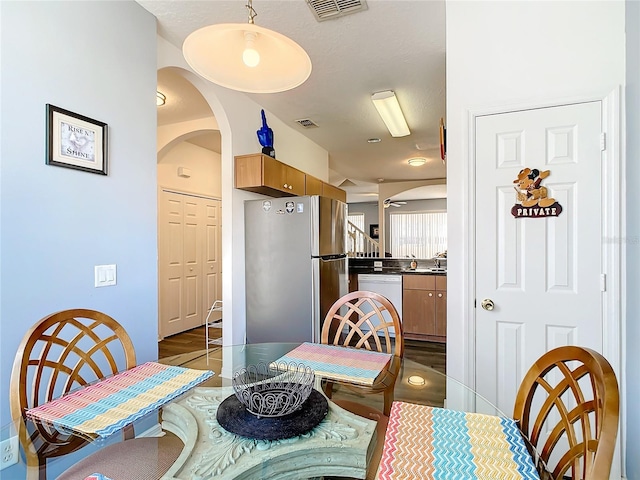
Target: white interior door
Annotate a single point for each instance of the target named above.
(189, 260)
(212, 251)
(543, 275)
(192, 247)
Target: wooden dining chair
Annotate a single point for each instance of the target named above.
(567, 407)
(61, 353)
(357, 320)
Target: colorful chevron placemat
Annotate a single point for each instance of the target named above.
(436, 443)
(105, 407)
(354, 365)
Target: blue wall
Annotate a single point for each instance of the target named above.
(97, 59)
(633, 236)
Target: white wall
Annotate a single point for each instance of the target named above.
(503, 54)
(632, 333)
(96, 59)
(204, 165)
(238, 119)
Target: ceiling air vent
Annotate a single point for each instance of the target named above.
(306, 123)
(327, 9)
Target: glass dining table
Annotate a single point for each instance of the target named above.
(347, 443)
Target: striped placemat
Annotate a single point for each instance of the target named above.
(105, 407)
(354, 365)
(436, 443)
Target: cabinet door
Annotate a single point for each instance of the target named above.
(295, 180)
(334, 192)
(418, 312)
(274, 173)
(441, 313)
(313, 186)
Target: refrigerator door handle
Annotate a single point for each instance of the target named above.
(331, 258)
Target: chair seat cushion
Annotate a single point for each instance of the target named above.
(437, 443)
(354, 365)
(136, 459)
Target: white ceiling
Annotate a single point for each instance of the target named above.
(392, 45)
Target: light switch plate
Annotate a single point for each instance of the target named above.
(105, 275)
(9, 452)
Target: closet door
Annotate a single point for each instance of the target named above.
(212, 250)
(180, 264)
(192, 271)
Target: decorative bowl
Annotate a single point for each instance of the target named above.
(273, 390)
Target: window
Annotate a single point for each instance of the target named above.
(419, 233)
(356, 241)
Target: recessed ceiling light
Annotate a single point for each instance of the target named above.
(416, 162)
(373, 140)
(416, 380)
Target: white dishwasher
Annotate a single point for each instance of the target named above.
(389, 286)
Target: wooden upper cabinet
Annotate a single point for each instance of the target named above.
(314, 186)
(262, 174)
(334, 192)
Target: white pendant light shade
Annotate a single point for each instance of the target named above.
(246, 57)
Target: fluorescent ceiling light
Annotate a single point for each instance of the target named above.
(389, 109)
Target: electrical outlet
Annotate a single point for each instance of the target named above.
(8, 452)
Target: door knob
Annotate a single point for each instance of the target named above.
(487, 304)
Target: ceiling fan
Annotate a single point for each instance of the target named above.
(388, 203)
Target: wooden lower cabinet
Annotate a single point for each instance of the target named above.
(424, 307)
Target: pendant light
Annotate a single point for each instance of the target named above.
(246, 57)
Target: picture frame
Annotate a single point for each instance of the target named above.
(374, 230)
(76, 141)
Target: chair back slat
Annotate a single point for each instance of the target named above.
(60, 353)
(567, 406)
(363, 323)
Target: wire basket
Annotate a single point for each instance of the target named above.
(273, 390)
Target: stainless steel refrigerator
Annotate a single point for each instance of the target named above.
(295, 266)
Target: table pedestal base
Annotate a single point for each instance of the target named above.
(341, 445)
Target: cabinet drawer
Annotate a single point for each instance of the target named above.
(419, 282)
(441, 282)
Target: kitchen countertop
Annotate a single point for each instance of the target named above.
(395, 270)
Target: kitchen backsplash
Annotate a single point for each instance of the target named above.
(396, 262)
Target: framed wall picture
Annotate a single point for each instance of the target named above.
(76, 141)
(374, 231)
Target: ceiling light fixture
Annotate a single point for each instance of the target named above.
(389, 109)
(373, 140)
(417, 161)
(416, 380)
(161, 99)
(246, 57)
